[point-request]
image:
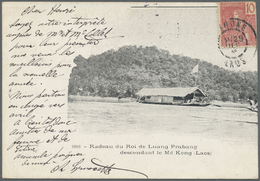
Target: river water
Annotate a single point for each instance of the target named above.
(231, 125)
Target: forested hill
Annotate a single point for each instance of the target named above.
(127, 70)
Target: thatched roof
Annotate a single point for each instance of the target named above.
(176, 92)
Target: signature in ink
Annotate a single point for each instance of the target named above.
(98, 167)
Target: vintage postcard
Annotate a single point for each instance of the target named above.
(129, 90)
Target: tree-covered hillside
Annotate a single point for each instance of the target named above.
(127, 70)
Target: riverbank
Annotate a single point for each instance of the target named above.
(229, 104)
(99, 99)
(125, 100)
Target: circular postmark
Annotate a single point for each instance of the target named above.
(235, 38)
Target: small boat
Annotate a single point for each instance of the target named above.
(253, 106)
(253, 109)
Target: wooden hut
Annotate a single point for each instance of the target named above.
(170, 95)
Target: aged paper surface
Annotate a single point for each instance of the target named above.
(129, 90)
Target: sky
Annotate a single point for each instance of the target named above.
(189, 32)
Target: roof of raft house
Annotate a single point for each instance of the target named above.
(176, 92)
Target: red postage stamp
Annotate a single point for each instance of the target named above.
(237, 24)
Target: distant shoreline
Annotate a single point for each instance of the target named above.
(229, 104)
(99, 99)
(125, 100)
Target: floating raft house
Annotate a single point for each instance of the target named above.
(169, 95)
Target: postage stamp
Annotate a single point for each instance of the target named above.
(237, 24)
(237, 31)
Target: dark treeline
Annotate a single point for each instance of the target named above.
(124, 72)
